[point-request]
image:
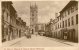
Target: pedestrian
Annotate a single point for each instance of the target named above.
(36, 33)
(25, 33)
(28, 34)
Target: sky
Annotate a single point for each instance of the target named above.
(46, 9)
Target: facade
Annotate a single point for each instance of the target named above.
(41, 26)
(48, 28)
(21, 26)
(10, 23)
(57, 27)
(33, 18)
(65, 26)
(69, 16)
(6, 15)
(41, 29)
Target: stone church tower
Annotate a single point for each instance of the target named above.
(33, 18)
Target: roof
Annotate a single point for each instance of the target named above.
(8, 2)
(68, 5)
(12, 8)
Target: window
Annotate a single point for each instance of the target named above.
(72, 9)
(56, 26)
(65, 23)
(6, 31)
(77, 19)
(68, 11)
(60, 25)
(69, 22)
(65, 13)
(8, 6)
(72, 21)
(7, 16)
(32, 14)
(76, 6)
(60, 17)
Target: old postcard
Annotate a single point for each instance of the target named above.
(39, 25)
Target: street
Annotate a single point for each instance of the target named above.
(39, 41)
(57, 21)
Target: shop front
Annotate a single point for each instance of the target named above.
(4, 33)
(69, 34)
(64, 34)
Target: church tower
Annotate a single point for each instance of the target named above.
(33, 17)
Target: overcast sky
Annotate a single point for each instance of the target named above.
(46, 9)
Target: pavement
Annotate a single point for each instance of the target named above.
(11, 42)
(64, 41)
(38, 41)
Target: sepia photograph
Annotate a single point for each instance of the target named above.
(39, 23)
